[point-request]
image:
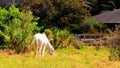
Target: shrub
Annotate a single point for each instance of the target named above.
(90, 25)
(16, 27)
(60, 38)
(49, 34)
(86, 27)
(63, 39)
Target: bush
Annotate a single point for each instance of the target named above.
(63, 39)
(86, 27)
(16, 28)
(90, 25)
(49, 34)
(60, 38)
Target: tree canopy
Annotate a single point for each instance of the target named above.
(59, 13)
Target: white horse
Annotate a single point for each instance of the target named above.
(40, 43)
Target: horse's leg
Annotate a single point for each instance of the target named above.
(40, 51)
(43, 50)
(36, 48)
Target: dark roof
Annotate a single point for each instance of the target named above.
(109, 17)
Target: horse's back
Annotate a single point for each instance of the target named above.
(41, 37)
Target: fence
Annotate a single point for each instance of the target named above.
(88, 37)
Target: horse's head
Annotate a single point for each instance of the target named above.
(49, 46)
(50, 49)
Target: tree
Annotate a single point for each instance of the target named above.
(60, 13)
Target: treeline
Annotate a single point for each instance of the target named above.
(95, 6)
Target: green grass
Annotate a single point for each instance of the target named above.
(87, 57)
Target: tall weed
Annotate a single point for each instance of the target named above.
(114, 44)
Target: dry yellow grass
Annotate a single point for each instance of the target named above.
(87, 57)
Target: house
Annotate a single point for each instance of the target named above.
(110, 18)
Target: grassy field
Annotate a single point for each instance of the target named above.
(87, 57)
